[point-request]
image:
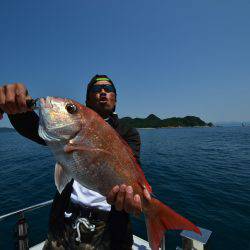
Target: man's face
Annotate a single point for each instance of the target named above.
(102, 101)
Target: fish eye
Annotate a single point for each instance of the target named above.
(71, 108)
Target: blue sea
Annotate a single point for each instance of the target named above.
(202, 173)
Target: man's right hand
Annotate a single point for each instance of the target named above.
(13, 99)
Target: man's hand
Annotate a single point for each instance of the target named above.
(13, 98)
(123, 198)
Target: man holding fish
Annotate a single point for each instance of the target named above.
(101, 99)
(95, 155)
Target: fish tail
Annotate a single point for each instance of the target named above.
(160, 218)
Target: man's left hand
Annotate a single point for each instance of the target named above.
(123, 198)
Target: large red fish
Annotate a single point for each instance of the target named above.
(90, 151)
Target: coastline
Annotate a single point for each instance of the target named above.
(176, 127)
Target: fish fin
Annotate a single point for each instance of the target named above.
(159, 218)
(69, 148)
(61, 178)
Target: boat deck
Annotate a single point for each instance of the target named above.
(139, 244)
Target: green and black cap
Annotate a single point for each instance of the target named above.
(95, 79)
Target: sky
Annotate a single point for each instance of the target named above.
(170, 58)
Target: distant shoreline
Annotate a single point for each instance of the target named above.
(152, 121)
(178, 127)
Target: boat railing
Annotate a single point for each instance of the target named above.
(22, 225)
(23, 210)
(190, 240)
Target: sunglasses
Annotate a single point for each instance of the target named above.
(106, 87)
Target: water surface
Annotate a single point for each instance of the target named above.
(202, 173)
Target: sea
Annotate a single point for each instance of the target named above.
(202, 173)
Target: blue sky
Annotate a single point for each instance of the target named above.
(170, 58)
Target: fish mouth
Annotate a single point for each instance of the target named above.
(44, 130)
(46, 108)
(45, 103)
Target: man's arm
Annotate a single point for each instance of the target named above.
(13, 101)
(26, 124)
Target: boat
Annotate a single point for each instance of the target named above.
(190, 240)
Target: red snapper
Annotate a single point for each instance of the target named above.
(90, 151)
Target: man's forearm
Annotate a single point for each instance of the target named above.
(27, 125)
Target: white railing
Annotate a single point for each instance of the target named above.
(22, 225)
(21, 211)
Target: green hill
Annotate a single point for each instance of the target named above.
(152, 121)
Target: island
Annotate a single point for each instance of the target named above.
(152, 121)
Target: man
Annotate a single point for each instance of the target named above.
(81, 218)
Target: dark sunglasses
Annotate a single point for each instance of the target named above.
(106, 87)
